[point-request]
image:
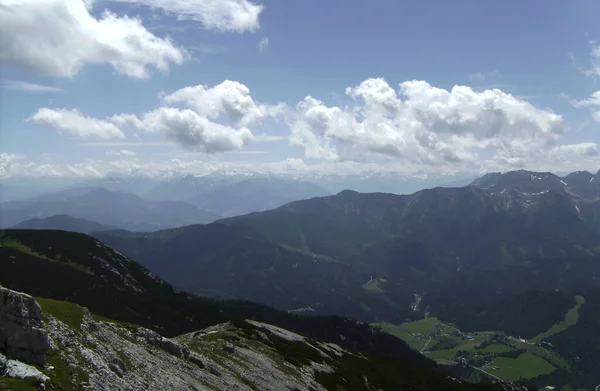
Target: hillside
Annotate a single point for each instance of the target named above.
(77, 268)
(74, 268)
(122, 210)
(64, 223)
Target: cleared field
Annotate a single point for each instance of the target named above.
(447, 345)
(526, 366)
(373, 286)
(571, 318)
(497, 348)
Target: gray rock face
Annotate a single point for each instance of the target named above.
(18, 370)
(23, 335)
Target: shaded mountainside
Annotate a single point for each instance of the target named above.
(122, 210)
(77, 268)
(64, 223)
(84, 351)
(367, 255)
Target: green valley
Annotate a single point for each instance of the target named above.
(480, 355)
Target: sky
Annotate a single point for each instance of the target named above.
(157, 88)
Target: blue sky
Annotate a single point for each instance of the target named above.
(526, 72)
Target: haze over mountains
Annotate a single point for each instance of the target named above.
(190, 200)
(126, 211)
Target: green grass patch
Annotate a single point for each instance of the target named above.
(445, 355)
(423, 327)
(373, 286)
(64, 377)
(7, 383)
(540, 351)
(68, 313)
(18, 246)
(309, 253)
(526, 366)
(571, 318)
(497, 348)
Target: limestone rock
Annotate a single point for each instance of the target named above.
(23, 335)
(19, 370)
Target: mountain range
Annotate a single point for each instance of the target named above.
(145, 205)
(514, 253)
(509, 252)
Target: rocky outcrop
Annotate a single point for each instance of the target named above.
(17, 369)
(23, 335)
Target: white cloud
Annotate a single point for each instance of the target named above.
(477, 77)
(266, 138)
(595, 55)
(199, 129)
(59, 37)
(587, 149)
(120, 152)
(220, 15)
(28, 87)
(423, 125)
(76, 124)
(229, 98)
(558, 159)
(117, 144)
(191, 130)
(480, 77)
(592, 102)
(7, 160)
(263, 44)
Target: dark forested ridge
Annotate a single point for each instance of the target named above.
(64, 223)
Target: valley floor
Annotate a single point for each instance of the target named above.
(489, 355)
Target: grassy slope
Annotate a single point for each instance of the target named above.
(571, 318)
(525, 366)
(349, 371)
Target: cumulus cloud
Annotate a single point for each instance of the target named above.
(422, 125)
(194, 131)
(220, 15)
(120, 152)
(218, 122)
(28, 87)
(229, 98)
(263, 44)
(73, 122)
(59, 37)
